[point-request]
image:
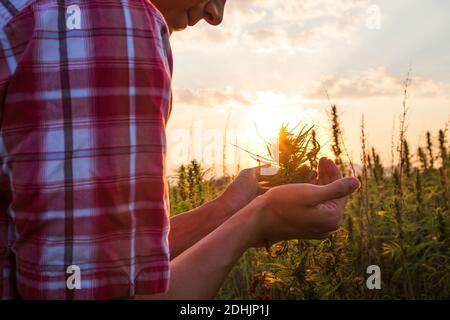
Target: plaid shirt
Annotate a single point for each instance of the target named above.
(85, 94)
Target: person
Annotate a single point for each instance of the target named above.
(85, 92)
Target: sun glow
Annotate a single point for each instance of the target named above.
(271, 110)
(261, 122)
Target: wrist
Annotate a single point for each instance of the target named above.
(252, 218)
(225, 206)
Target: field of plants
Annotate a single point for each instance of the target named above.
(398, 220)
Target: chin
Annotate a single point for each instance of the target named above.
(180, 24)
(179, 28)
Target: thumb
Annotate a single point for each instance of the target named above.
(335, 190)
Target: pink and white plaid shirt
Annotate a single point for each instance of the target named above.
(85, 94)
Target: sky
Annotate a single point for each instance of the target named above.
(272, 61)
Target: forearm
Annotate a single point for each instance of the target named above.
(199, 272)
(188, 228)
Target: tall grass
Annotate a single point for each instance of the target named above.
(399, 220)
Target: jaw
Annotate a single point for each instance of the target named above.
(177, 22)
(181, 22)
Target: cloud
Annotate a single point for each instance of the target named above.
(370, 83)
(307, 10)
(217, 98)
(306, 25)
(211, 97)
(377, 82)
(273, 25)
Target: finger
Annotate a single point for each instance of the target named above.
(335, 190)
(323, 175)
(333, 171)
(251, 173)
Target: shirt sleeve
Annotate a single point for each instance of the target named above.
(85, 96)
(12, 39)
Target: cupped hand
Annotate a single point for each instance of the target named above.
(305, 211)
(244, 188)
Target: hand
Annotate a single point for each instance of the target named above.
(242, 190)
(245, 187)
(304, 211)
